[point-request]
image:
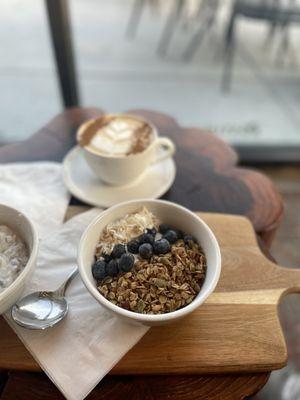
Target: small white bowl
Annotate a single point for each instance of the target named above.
(169, 213)
(21, 225)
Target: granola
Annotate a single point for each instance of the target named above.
(162, 273)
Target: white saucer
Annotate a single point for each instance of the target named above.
(84, 185)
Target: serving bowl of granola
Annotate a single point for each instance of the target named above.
(149, 261)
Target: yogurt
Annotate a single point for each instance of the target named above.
(13, 256)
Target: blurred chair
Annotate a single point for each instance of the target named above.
(135, 18)
(206, 17)
(172, 20)
(136, 14)
(277, 13)
(170, 25)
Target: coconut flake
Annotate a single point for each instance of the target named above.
(125, 229)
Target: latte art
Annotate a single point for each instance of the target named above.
(120, 147)
(116, 135)
(114, 138)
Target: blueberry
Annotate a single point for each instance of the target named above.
(161, 246)
(151, 231)
(146, 250)
(146, 238)
(106, 257)
(188, 239)
(180, 234)
(171, 236)
(163, 228)
(112, 268)
(133, 246)
(126, 262)
(99, 270)
(118, 250)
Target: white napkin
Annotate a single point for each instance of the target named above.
(37, 190)
(82, 349)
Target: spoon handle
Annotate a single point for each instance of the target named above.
(62, 289)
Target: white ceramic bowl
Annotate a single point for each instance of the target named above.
(169, 213)
(24, 228)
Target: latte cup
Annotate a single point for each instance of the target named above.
(124, 169)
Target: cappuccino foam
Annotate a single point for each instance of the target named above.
(116, 135)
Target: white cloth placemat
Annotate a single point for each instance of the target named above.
(82, 349)
(37, 190)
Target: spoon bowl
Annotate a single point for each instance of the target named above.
(42, 310)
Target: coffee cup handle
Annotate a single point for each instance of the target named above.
(168, 149)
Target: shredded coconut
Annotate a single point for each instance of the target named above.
(125, 229)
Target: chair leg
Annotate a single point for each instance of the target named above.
(208, 19)
(229, 54)
(169, 27)
(59, 25)
(284, 47)
(134, 18)
(272, 29)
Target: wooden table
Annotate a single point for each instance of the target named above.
(207, 180)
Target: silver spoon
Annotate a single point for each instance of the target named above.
(42, 310)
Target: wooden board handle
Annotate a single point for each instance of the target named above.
(290, 278)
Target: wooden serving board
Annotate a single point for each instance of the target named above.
(236, 330)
